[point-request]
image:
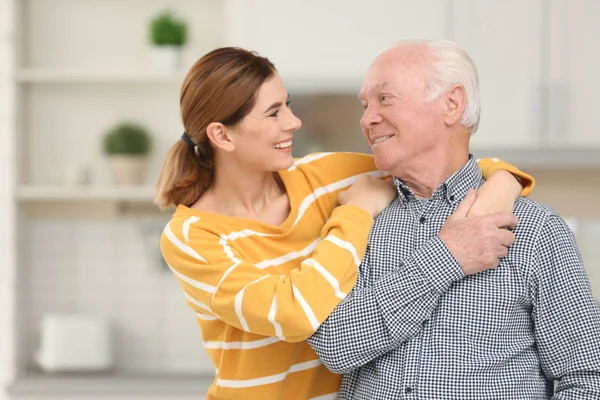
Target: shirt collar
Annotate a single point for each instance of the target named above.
(453, 189)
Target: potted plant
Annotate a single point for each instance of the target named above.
(168, 35)
(127, 145)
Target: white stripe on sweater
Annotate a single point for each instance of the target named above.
(328, 276)
(344, 245)
(197, 303)
(268, 379)
(289, 256)
(244, 233)
(330, 396)
(308, 159)
(193, 282)
(272, 313)
(180, 245)
(241, 345)
(332, 187)
(239, 300)
(186, 227)
(206, 317)
(312, 318)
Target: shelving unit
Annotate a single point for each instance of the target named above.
(545, 157)
(74, 79)
(86, 193)
(41, 76)
(73, 70)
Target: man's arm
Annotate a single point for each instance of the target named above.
(373, 320)
(566, 318)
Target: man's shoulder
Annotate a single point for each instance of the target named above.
(533, 215)
(532, 208)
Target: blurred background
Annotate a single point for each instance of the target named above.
(89, 107)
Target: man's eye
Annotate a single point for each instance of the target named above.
(364, 106)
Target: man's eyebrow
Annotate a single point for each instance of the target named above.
(275, 105)
(379, 87)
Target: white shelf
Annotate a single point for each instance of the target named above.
(86, 193)
(310, 83)
(165, 386)
(545, 156)
(294, 82)
(535, 157)
(58, 76)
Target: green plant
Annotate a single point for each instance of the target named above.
(127, 138)
(167, 30)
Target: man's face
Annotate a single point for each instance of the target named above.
(398, 123)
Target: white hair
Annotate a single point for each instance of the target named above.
(451, 65)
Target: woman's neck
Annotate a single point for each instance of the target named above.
(239, 191)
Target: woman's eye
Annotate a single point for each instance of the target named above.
(275, 114)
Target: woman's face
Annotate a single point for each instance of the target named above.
(263, 139)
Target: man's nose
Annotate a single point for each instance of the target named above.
(370, 117)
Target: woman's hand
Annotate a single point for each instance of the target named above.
(497, 194)
(370, 193)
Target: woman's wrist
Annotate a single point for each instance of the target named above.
(510, 181)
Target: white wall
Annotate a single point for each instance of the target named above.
(113, 268)
(7, 207)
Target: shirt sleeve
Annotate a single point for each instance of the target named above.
(216, 277)
(373, 320)
(565, 315)
(490, 165)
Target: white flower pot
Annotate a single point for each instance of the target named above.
(128, 170)
(166, 59)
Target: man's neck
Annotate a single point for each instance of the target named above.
(424, 175)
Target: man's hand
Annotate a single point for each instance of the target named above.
(477, 243)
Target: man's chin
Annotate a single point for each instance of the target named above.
(382, 163)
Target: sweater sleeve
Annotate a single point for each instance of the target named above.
(336, 166)
(490, 165)
(216, 277)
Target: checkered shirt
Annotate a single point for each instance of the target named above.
(415, 327)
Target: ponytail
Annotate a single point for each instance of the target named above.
(184, 176)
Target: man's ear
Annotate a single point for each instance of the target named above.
(219, 136)
(455, 103)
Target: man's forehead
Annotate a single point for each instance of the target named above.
(374, 87)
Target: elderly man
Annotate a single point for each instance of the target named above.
(505, 333)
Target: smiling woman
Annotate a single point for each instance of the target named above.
(261, 244)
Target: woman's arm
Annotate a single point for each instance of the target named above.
(504, 184)
(497, 194)
(216, 277)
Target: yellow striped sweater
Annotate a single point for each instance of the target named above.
(260, 290)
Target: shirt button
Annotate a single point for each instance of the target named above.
(452, 198)
(422, 220)
(408, 390)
